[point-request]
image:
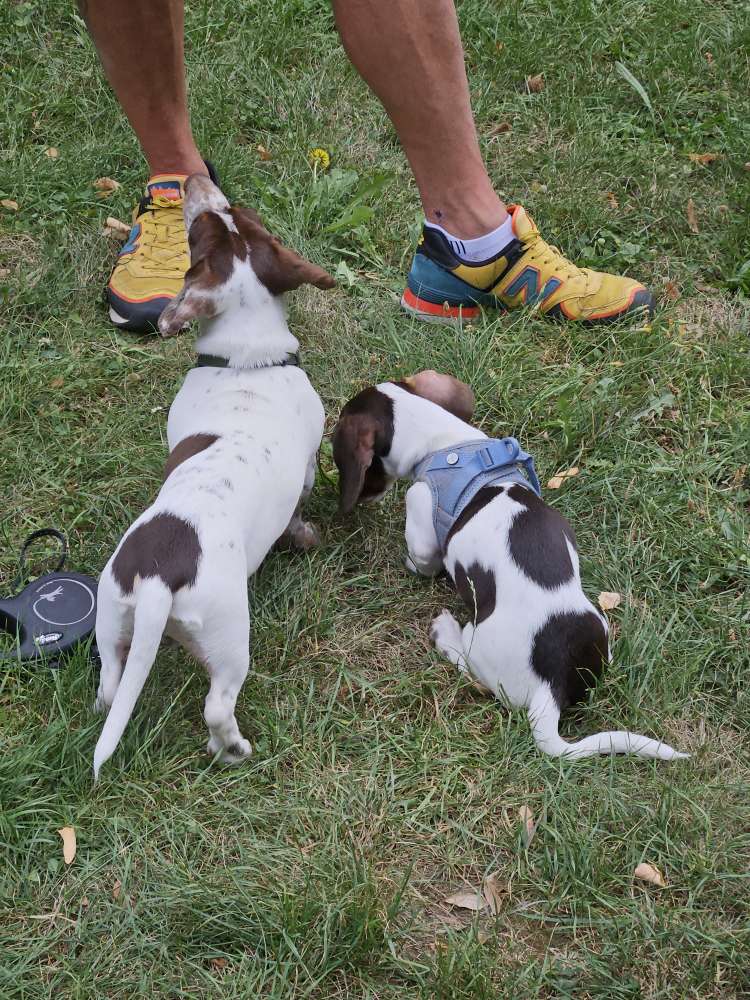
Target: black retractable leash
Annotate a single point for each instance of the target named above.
(52, 613)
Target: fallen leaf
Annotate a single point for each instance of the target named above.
(263, 153)
(671, 291)
(528, 826)
(613, 202)
(556, 482)
(483, 935)
(68, 835)
(114, 223)
(52, 152)
(116, 889)
(218, 964)
(501, 128)
(709, 57)
(692, 216)
(647, 873)
(493, 893)
(609, 599)
(703, 159)
(535, 84)
(499, 46)
(11, 205)
(466, 901)
(105, 186)
(57, 383)
(617, 364)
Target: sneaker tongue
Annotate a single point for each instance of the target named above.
(523, 224)
(166, 189)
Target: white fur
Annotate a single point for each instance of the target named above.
(497, 651)
(270, 422)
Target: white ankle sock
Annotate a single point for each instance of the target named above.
(481, 248)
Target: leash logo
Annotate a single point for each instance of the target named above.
(68, 603)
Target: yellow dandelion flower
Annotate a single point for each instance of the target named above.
(319, 158)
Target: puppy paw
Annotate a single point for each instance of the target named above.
(239, 750)
(306, 536)
(410, 565)
(100, 705)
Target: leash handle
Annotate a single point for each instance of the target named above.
(33, 537)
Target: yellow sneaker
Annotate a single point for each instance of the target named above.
(442, 288)
(152, 263)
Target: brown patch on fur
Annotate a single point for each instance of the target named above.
(193, 444)
(166, 546)
(477, 503)
(477, 589)
(453, 395)
(362, 436)
(276, 266)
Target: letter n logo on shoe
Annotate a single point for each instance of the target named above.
(526, 284)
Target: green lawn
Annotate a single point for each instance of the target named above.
(382, 782)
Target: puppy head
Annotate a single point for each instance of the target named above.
(454, 396)
(361, 439)
(222, 239)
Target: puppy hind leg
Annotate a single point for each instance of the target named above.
(445, 633)
(227, 665)
(113, 652)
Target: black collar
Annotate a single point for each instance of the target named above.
(214, 361)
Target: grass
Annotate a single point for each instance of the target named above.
(381, 782)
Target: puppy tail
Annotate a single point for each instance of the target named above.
(544, 715)
(153, 604)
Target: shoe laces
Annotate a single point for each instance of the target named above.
(546, 254)
(163, 233)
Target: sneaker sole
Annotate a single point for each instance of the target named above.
(431, 312)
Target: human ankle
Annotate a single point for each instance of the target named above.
(177, 163)
(468, 221)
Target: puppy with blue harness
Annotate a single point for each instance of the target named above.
(456, 474)
(474, 508)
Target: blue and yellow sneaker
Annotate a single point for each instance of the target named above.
(151, 266)
(443, 288)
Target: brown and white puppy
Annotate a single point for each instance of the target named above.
(244, 431)
(534, 638)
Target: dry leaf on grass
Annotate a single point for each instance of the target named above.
(500, 129)
(671, 291)
(52, 152)
(85, 902)
(612, 199)
(609, 599)
(57, 383)
(119, 230)
(493, 893)
(68, 835)
(692, 216)
(556, 482)
(466, 900)
(11, 205)
(263, 153)
(703, 159)
(535, 84)
(647, 873)
(105, 186)
(116, 889)
(218, 964)
(528, 826)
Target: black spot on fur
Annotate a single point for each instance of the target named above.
(477, 589)
(569, 652)
(537, 540)
(166, 546)
(477, 502)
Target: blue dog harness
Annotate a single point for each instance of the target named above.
(455, 475)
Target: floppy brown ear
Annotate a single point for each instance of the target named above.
(453, 395)
(353, 452)
(276, 266)
(193, 301)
